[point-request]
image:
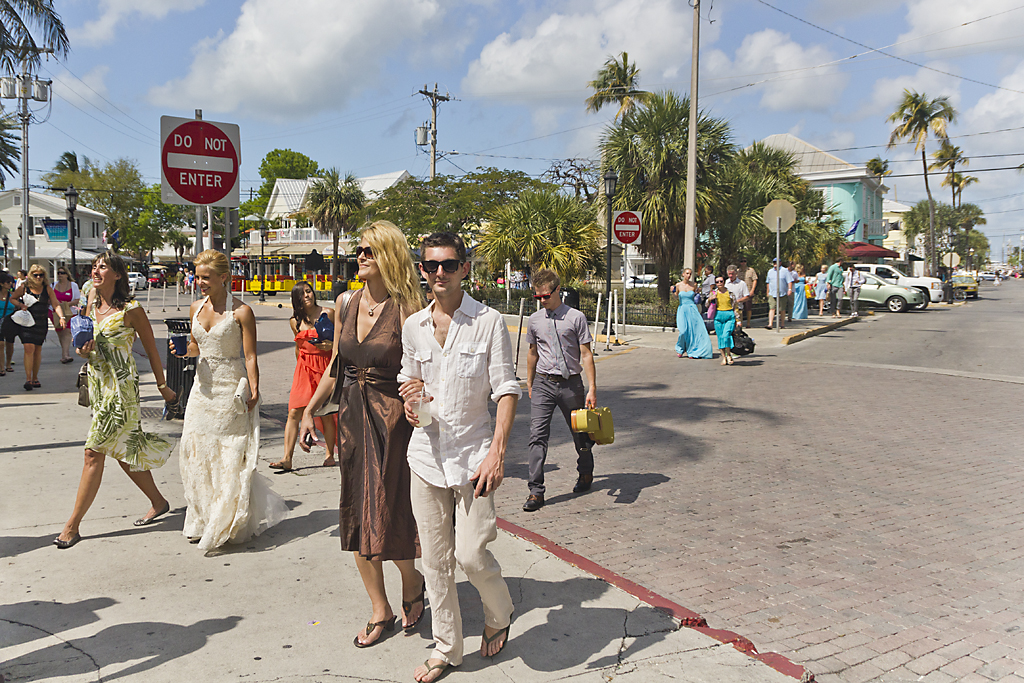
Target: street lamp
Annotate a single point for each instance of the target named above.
(71, 197)
(610, 180)
(263, 263)
(6, 247)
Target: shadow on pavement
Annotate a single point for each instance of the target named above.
(625, 487)
(155, 643)
(47, 618)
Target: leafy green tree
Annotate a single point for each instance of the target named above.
(180, 241)
(543, 229)
(618, 82)
(647, 149)
(19, 19)
(335, 205)
(281, 163)
(159, 221)
(878, 166)
(916, 117)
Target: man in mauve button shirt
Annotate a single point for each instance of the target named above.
(459, 351)
(559, 351)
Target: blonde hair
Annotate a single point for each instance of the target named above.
(799, 269)
(36, 268)
(215, 261)
(391, 252)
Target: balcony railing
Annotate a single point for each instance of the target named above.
(876, 228)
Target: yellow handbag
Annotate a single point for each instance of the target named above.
(596, 422)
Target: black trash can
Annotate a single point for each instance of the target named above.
(571, 297)
(947, 292)
(181, 372)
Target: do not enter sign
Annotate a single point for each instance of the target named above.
(626, 226)
(199, 162)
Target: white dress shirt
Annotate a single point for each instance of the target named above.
(476, 361)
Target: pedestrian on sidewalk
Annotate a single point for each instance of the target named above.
(6, 309)
(459, 351)
(707, 285)
(693, 341)
(311, 360)
(67, 294)
(780, 283)
(749, 276)
(559, 352)
(853, 281)
(37, 285)
(740, 293)
(725, 319)
(116, 428)
(821, 290)
(834, 278)
(799, 294)
(376, 515)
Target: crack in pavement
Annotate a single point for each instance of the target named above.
(99, 675)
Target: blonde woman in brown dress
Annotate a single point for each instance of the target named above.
(373, 435)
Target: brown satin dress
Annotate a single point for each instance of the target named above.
(373, 437)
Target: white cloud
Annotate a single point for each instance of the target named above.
(887, 92)
(297, 58)
(769, 54)
(112, 12)
(1000, 33)
(561, 52)
(92, 92)
(996, 110)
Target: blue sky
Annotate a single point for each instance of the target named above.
(336, 79)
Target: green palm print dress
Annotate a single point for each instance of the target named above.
(114, 397)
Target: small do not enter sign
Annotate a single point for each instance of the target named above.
(626, 226)
(199, 162)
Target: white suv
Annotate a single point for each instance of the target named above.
(137, 281)
(931, 287)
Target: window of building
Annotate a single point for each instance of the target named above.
(17, 200)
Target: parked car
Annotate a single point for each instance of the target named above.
(896, 298)
(931, 287)
(642, 281)
(967, 283)
(987, 275)
(137, 280)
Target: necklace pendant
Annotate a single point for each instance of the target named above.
(371, 312)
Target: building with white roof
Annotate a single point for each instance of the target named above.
(853, 192)
(48, 241)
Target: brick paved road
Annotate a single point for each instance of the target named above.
(862, 520)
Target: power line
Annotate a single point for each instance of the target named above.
(148, 129)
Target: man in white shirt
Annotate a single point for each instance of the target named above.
(852, 282)
(459, 351)
(740, 293)
(779, 282)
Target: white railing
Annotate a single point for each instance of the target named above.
(876, 228)
(300, 235)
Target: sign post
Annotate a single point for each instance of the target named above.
(779, 216)
(626, 227)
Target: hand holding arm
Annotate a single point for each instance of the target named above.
(137, 319)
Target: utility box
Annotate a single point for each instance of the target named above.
(8, 87)
(41, 91)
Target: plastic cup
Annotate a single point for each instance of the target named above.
(180, 342)
(420, 404)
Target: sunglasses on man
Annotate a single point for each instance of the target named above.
(450, 265)
(544, 297)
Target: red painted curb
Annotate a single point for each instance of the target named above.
(686, 617)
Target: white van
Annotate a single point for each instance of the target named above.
(931, 287)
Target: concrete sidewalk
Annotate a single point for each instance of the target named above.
(141, 604)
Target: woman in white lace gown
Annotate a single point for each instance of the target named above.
(228, 501)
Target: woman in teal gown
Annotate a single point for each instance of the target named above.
(800, 295)
(694, 340)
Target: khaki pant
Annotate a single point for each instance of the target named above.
(455, 527)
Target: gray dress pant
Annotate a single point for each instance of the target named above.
(567, 395)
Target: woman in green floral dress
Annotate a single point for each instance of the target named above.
(114, 395)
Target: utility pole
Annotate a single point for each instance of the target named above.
(690, 230)
(26, 229)
(434, 98)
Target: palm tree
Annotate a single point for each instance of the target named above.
(10, 151)
(916, 117)
(335, 205)
(616, 83)
(17, 19)
(648, 151)
(959, 183)
(177, 239)
(543, 229)
(878, 167)
(947, 158)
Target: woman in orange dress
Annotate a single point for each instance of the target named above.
(312, 358)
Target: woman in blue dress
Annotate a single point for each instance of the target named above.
(694, 341)
(799, 295)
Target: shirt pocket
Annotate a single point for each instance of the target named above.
(424, 365)
(472, 358)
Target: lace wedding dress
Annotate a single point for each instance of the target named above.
(228, 501)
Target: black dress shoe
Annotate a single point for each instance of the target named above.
(584, 483)
(534, 502)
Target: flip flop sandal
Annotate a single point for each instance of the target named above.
(36, 384)
(443, 666)
(64, 545)
(145, 521)
(386, 625)
(496, 636)
(407, 606)
(279, 466)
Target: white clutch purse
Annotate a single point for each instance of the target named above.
(242, 395)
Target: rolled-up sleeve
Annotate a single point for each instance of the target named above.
(499, 368)
(410, 368)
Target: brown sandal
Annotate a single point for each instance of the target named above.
(407, 606)
(386, 625)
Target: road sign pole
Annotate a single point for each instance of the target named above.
(778, 273)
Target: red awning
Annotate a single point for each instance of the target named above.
(865, 250)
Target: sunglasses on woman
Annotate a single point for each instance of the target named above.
(450, 265)
(364, 251)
